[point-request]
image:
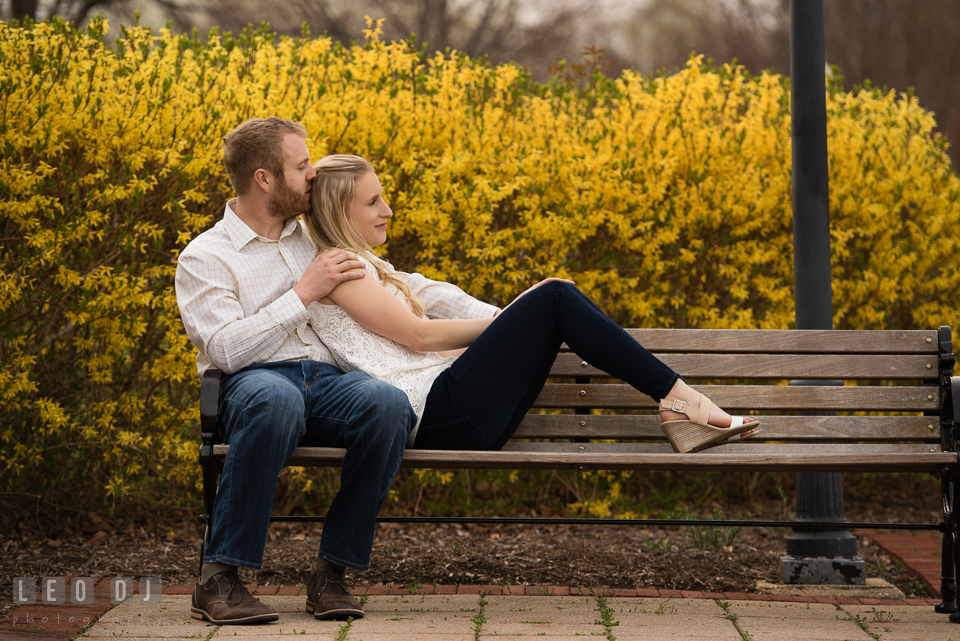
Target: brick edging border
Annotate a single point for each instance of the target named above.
(560, 590)
(40, 622)
(920, 551)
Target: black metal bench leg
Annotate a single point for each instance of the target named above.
(951, 552)
(210, 467)
(948, 581)
(955, 616)
(211, 482)
(203, 546)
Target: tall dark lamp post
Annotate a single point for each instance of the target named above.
(814, 556)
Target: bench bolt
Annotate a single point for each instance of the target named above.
(583, 392)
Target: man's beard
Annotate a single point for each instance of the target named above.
(286, 203)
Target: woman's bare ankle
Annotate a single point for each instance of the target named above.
(671, 416)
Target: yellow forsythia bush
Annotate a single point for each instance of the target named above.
(667, 199)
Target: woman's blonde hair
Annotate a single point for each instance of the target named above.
(328, 222)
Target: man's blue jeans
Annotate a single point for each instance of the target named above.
(266, 411)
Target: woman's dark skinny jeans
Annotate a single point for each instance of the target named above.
(478, 403)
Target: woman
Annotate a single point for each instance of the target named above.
(463, 399)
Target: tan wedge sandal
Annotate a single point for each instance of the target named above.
(697, 434)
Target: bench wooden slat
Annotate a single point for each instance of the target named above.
(751, 397)
(788, 341)
(775, 428)
(836, 449)
(754, 459)
(775, 366)
(723, 458)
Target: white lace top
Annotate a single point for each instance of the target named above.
(354, 347)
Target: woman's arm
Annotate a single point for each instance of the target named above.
(372, 305)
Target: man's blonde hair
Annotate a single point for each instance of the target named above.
(328, 222)
(256, 144)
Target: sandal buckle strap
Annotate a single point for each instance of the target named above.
(679, 406)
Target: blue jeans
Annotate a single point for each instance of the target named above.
(480, 400)
(267, 410)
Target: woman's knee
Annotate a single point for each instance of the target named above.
(557, 286)
(550, 296)
(556, 290)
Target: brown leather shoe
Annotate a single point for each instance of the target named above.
(329, 598)
(223, 600)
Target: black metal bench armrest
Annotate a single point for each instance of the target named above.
(950, 410)
(948, 385)
(209, 405)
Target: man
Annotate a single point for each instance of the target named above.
(243, 288)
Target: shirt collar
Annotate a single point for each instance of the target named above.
(240, 234)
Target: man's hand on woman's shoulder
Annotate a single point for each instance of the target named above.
(328, 270)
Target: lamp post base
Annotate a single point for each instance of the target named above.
(823, 557)
(824, 570)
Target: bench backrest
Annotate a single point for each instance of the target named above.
(887, 386)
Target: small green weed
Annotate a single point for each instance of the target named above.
(861, 622)
(606, 617)
(663, 544)
(344, 630)
(879, 616)
(662, 608)
(734, 619)
(479, 619)
(709, 536)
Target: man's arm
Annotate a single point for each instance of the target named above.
(445, 300)
(208, 298)
(208, 295)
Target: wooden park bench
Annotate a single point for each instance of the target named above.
(893, 412)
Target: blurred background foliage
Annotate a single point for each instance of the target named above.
(666, 196)
(891, 43)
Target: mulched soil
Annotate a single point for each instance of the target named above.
(564, 555)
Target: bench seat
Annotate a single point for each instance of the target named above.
(624, 456)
